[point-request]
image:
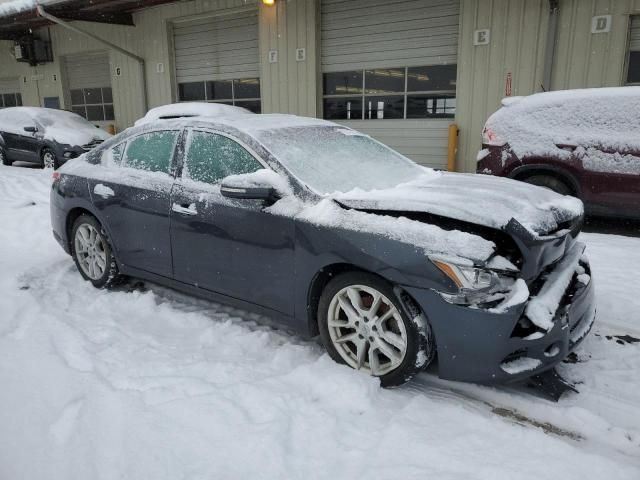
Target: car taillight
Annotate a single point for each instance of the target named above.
(489, 137)
(55, 176)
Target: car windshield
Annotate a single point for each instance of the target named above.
(334, 159)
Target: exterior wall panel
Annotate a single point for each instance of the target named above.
(518, 45)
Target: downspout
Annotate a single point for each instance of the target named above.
(73, 28)
(552, 35)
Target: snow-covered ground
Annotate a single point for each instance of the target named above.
(145, 383)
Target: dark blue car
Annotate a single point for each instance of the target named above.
(335, 235)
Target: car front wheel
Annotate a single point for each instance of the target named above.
(49, 159)
(363, 325)
(552, 183)
(92, 253)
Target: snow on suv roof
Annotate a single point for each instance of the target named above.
(537, 124)
(192, 109)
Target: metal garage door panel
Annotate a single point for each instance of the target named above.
(217, 48)
(88, 71)
(423, 141)
(388, 33)
(635, 33)
(9, 85)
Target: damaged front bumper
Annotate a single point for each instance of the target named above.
(478, 345)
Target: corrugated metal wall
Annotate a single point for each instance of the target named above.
(518, 34)
(88, 71)
(287, 86)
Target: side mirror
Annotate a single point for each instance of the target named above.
(30, 129)
(257, 192)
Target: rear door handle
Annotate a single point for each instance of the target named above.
(185, 209)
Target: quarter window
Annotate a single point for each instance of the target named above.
(152, 151)
(211, 157)
(94, 104)
(391, 93)
(242, 92)
(10, 100)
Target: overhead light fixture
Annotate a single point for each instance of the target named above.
(269, 2)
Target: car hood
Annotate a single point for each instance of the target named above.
(478, 199)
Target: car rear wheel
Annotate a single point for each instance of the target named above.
(92, 253)
(48, 159)
(3, 157)
(363, 325)
(552, 183)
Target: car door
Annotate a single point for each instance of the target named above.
(133, 193)
(22, 145)
(612, 180)
(232, 247)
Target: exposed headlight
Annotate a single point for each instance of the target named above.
(475, 284)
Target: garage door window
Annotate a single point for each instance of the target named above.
(94, 104)
(10, 100)
(391, 93)
(242, 92)
(633, 70)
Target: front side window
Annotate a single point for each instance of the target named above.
(94, 104)
(391, 93)
(211, 157)
(113, 156)
(151, 151)
(242, 92)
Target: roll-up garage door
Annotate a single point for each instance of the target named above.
(389, 70)
(88, 81)
(635, 33)
(10, 93)
(217, 59)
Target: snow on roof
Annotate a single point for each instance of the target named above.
(603, 117)
(57, 125)
(192, 109)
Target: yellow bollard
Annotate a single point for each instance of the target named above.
(111, 128)
(452, 148)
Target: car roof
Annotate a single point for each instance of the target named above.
(248, 124)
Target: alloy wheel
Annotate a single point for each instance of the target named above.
(48, 159)
(367, 330)
(90, 251)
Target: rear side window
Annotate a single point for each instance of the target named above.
(211, 157)
(113, 156)
(152, 151)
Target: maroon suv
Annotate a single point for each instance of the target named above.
(584, 143)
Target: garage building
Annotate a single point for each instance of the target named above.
(402, 71)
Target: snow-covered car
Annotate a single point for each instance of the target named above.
(333, 233)
(584, 143)
(45, 136)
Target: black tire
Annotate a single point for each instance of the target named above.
(550, 182)
(111, 275)
(3, 157)
(420, 347)
(44, 159)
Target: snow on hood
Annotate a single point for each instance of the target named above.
(600, 117)
(192, 109)
(64, 127)
(479, 199)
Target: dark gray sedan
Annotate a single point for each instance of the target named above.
(336, 235)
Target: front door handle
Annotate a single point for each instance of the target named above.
(185, 209)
